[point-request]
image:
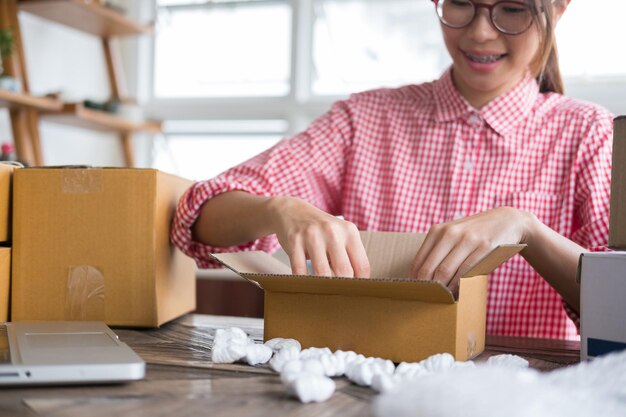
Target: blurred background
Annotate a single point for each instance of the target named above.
(219, 81)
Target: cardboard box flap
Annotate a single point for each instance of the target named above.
(494, 259)
(252, 262)
(391, 254)
(272, 275)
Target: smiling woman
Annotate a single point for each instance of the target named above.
(440, 157)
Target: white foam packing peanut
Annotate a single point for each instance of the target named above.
(407, 371)
(233, 344)
(283, 356)
(507, 360)
(306, 372)
(229, 345)
(257, 354)
(278, 343)
(312, 388)
(314, 353)
(362, 370)
(490, 390)
(305, 380)
(404, 372)
(295, 367)
(438, 363)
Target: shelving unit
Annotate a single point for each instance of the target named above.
(93, 18)
(86, 16)
(12, 99)
(75, 114)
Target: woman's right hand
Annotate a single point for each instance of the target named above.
(333, 245)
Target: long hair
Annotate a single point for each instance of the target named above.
(545, 66)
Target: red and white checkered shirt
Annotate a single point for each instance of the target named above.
(407, 158)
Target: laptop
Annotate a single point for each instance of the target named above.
(65, 352)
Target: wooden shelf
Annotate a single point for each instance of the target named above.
(16, 100)
(78, 115)
(85, 15)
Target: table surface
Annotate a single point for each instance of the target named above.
(181, 380)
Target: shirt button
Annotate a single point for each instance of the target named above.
(458, 216)
(474, 120)
(468, 166)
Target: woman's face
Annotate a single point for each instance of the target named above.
(511, 56)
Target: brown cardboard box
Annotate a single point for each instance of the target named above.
(617, 222)
(390, 316)
(6, 171)
(5, 282)
(93, 244)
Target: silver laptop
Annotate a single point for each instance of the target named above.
(65, 352)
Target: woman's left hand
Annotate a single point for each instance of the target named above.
(451, 249)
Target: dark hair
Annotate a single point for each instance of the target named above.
(545, 67)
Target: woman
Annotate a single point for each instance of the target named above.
(490, 153)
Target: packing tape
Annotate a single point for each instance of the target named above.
(84, 298)
(81, 181)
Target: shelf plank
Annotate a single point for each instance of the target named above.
(85, 15)
(13, 99)
(75, 114)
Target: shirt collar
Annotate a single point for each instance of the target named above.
(503, 113)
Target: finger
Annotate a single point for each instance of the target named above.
(358, 257)
(297, 258)
(447, 270)
(424, 250)
(316, 248)
(432, 259)
(339, 260)
(467, 264)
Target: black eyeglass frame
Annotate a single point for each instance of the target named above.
(489, 8)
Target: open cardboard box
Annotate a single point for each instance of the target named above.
(389, 315)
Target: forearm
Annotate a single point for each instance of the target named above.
(555, 258)
(233, 218)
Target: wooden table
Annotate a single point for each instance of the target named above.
(182, 381)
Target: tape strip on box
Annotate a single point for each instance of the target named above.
(84, 298)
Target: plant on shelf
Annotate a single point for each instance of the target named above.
(7, 42)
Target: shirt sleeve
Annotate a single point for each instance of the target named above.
(310, 165)
(593, 189)
(593, 186)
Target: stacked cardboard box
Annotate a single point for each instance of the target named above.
(389, 316)
(93, 244)
(603, 275)
(6, 173)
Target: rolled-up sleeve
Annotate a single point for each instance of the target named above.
(593, 189)
(593, 186)
(310, 165)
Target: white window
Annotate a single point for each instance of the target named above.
(359, 45)
(203, 149)
(590, 38)
(222, 49)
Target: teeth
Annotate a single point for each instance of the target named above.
(483, 59)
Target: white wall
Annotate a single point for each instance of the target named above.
(64, 60)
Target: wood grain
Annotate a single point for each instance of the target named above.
(181, 380)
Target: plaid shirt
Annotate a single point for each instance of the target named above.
(407, 158)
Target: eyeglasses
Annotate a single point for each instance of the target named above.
(508, 17)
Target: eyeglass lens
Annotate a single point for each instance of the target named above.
(507, 17)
